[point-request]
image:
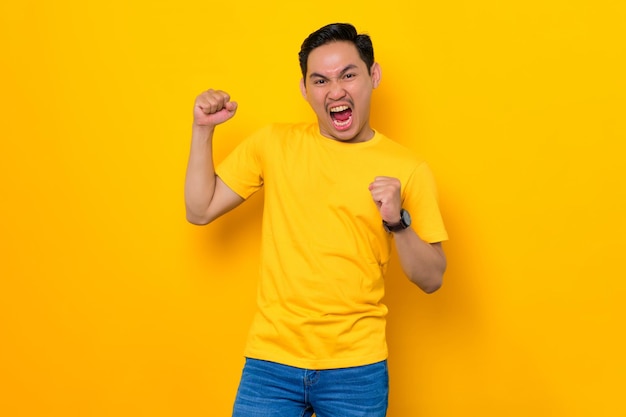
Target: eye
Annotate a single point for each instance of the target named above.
(319, 81)
(349, 76)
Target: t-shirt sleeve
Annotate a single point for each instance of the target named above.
(242, 169)
(422, 202)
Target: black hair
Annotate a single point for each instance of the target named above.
(333, 33)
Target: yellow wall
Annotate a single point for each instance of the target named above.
(111, 305)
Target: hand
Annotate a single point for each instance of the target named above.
(213, 107)
(386, 194)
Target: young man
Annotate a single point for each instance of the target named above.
(336, 193)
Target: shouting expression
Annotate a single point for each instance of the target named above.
(338, 87)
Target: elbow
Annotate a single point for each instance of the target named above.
(197, 222)
(431, 287)
(434, 280)
(428, 285)
(427, 272)
(196, 219)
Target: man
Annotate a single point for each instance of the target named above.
(336, 193)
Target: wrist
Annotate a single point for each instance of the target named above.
(403, 223)
(201, 132)
(202, 128)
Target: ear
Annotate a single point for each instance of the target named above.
(376, 74)
(303, 88)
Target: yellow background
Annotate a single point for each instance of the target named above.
(112, 305)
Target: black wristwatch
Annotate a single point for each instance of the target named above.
(405, 222)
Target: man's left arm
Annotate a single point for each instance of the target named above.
(422, 262)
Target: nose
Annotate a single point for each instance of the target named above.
(335, 90)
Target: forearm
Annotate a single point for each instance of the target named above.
(422, 262)
(200, 177)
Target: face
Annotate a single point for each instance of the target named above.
(338, 88)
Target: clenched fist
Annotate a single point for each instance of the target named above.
(213, 107)
(386, 194)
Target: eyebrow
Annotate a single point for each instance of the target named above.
(343, 71)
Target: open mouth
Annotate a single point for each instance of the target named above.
(341, 117)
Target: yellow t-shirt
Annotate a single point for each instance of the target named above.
(324, 250)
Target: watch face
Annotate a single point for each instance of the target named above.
(406, 217)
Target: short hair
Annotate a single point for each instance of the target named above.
(336, 32)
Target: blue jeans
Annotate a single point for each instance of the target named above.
(269, 389)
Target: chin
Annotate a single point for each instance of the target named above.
(344, 136)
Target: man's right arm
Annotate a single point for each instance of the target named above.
(206, 195)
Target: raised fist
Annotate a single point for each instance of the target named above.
(213, 107)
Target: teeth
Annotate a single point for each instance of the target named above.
(338, 109)
(342, 124)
